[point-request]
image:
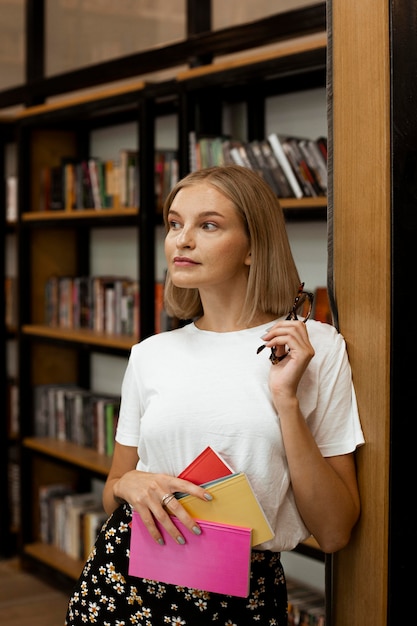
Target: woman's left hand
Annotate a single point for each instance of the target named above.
(290, 344)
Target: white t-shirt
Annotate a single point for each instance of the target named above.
(188, 388)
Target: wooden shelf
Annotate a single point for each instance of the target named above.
(303, 203)
(80, 335)
(287, 49)
(80, 456)
(95, 96)
(43, 216)
(55, 558)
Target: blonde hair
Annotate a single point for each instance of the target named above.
(273, 278)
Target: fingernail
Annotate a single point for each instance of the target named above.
(196, 530)
(161, 541)
(207, 496)
(181, 540)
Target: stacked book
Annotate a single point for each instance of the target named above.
(95, 183)
(294, 167)
(232, 523)
(70, 413)
(70, 521)
(107, 304)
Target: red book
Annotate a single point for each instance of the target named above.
(207, 466)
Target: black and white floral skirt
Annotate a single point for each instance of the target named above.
(106, 595)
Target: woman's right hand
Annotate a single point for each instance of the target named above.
(145, 492)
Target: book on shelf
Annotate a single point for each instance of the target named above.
(234, 502)
(12, 400)
(70, 413)
(301, 169)
(261, 165)
(166, 175)
(285, 164)
(69, 185)
(282, 185)
(70, 520)
(10, 295)
(11, 199)
(106, 304)
(97, 182)
(13, 480)
(207, 466)
(218, 560)
(129, 177)
(56, 195)
(78, 184)
(112, 183)
(48, 495)
(316, 163)
(76, 506)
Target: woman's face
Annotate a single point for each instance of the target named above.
(207, 245)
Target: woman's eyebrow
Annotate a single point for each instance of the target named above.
(208, 213)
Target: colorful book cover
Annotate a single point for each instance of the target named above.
(234, 502)
(218, 560)
(207, 466)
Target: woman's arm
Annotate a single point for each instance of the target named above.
(325, 489)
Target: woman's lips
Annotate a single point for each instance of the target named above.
(182, 260)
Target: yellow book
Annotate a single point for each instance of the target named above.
(234, 502)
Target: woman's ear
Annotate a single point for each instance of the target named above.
(248, 259)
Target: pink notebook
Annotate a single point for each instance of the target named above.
(218, 560)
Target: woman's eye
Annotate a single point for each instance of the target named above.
(174, 225)
(209, 226)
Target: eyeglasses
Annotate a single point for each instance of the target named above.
(303, 305)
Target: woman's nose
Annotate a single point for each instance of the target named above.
(184, 238)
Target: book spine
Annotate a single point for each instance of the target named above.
(285, 164)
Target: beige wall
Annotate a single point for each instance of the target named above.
(82, 32)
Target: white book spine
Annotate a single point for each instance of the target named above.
(285, 164)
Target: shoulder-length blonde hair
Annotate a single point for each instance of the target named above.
(273, 278)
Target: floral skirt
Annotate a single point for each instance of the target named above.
(106, 595)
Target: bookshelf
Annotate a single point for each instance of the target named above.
(9, 451)
(60, 242)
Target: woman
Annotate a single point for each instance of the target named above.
(289, 422)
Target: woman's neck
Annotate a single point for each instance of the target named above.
(226, 323)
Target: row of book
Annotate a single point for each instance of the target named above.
(10, 294)
(69, 520)
(294, 167)
(106, 304)
(69, 413)
(96, 183)
(13, 479)
(12, 408)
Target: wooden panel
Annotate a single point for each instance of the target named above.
(53, 364)
(361, 192)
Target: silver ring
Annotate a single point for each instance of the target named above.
(167, 499)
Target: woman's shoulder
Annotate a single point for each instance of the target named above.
(324, 335)
(161, 339)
